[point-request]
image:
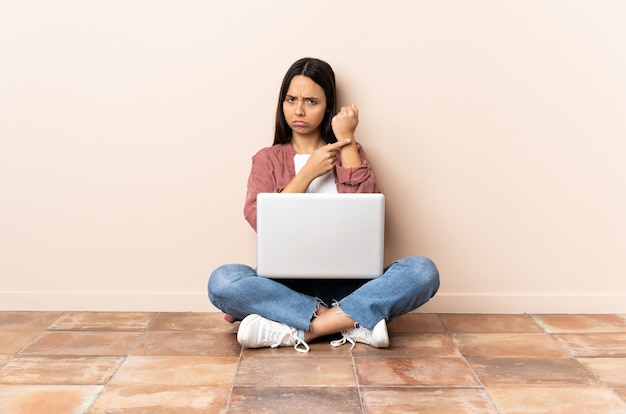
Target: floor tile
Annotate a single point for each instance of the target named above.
(480, 323)
(193, 322)
(416, 345)
(169, 400)
(415, 323)
(318, 350)
(12, 341)
(611, 371)
(531, 371)
(191, 363)
(187, 343)
(423, 372)
(581, 323)
(556, 400)
(47, 399)
(295, 371)
(59, 370)
(83, 343)
(27, 321)
(103, 321)
(502, 345)
(426, 400)
(288, 400)
(176, 370)
(594, 345)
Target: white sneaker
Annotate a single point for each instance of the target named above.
(257, 332)
(377, 337)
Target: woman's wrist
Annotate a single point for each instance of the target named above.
(350, 155)
(299, 183)
(343, 137)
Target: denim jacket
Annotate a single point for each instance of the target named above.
(273, 168)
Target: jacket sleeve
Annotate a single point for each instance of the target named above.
(359, 179)
(261, 180)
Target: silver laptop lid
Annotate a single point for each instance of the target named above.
(303, 235)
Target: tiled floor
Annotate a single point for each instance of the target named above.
(82, 362)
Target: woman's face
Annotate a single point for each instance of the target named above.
(304, 106)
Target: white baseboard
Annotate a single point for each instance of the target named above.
(107, 301)
(518, 304)
(198, 302)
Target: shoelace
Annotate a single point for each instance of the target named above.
(287, 337)
(345, 338)
(305, 347)
(354, 335)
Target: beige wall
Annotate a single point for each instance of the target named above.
(496, 129)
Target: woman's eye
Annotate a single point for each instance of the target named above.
(290, 99)
(312, 101)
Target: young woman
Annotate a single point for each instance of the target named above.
(315, 150)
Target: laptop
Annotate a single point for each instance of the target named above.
(317, 235)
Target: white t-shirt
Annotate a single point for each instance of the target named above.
(322, 184)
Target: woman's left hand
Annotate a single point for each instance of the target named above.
(345, 122)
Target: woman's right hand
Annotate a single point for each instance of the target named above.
(324, 158)
(321, 161)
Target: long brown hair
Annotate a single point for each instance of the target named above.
(321, 73)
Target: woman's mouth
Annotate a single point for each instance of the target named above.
(299, 124)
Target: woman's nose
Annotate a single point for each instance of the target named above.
(299, 108)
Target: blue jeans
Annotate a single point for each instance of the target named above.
(405, 285)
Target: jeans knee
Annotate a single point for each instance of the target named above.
(220, 281)
(426, 272)
(431, 273)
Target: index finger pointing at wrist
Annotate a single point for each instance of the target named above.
(341, 143)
